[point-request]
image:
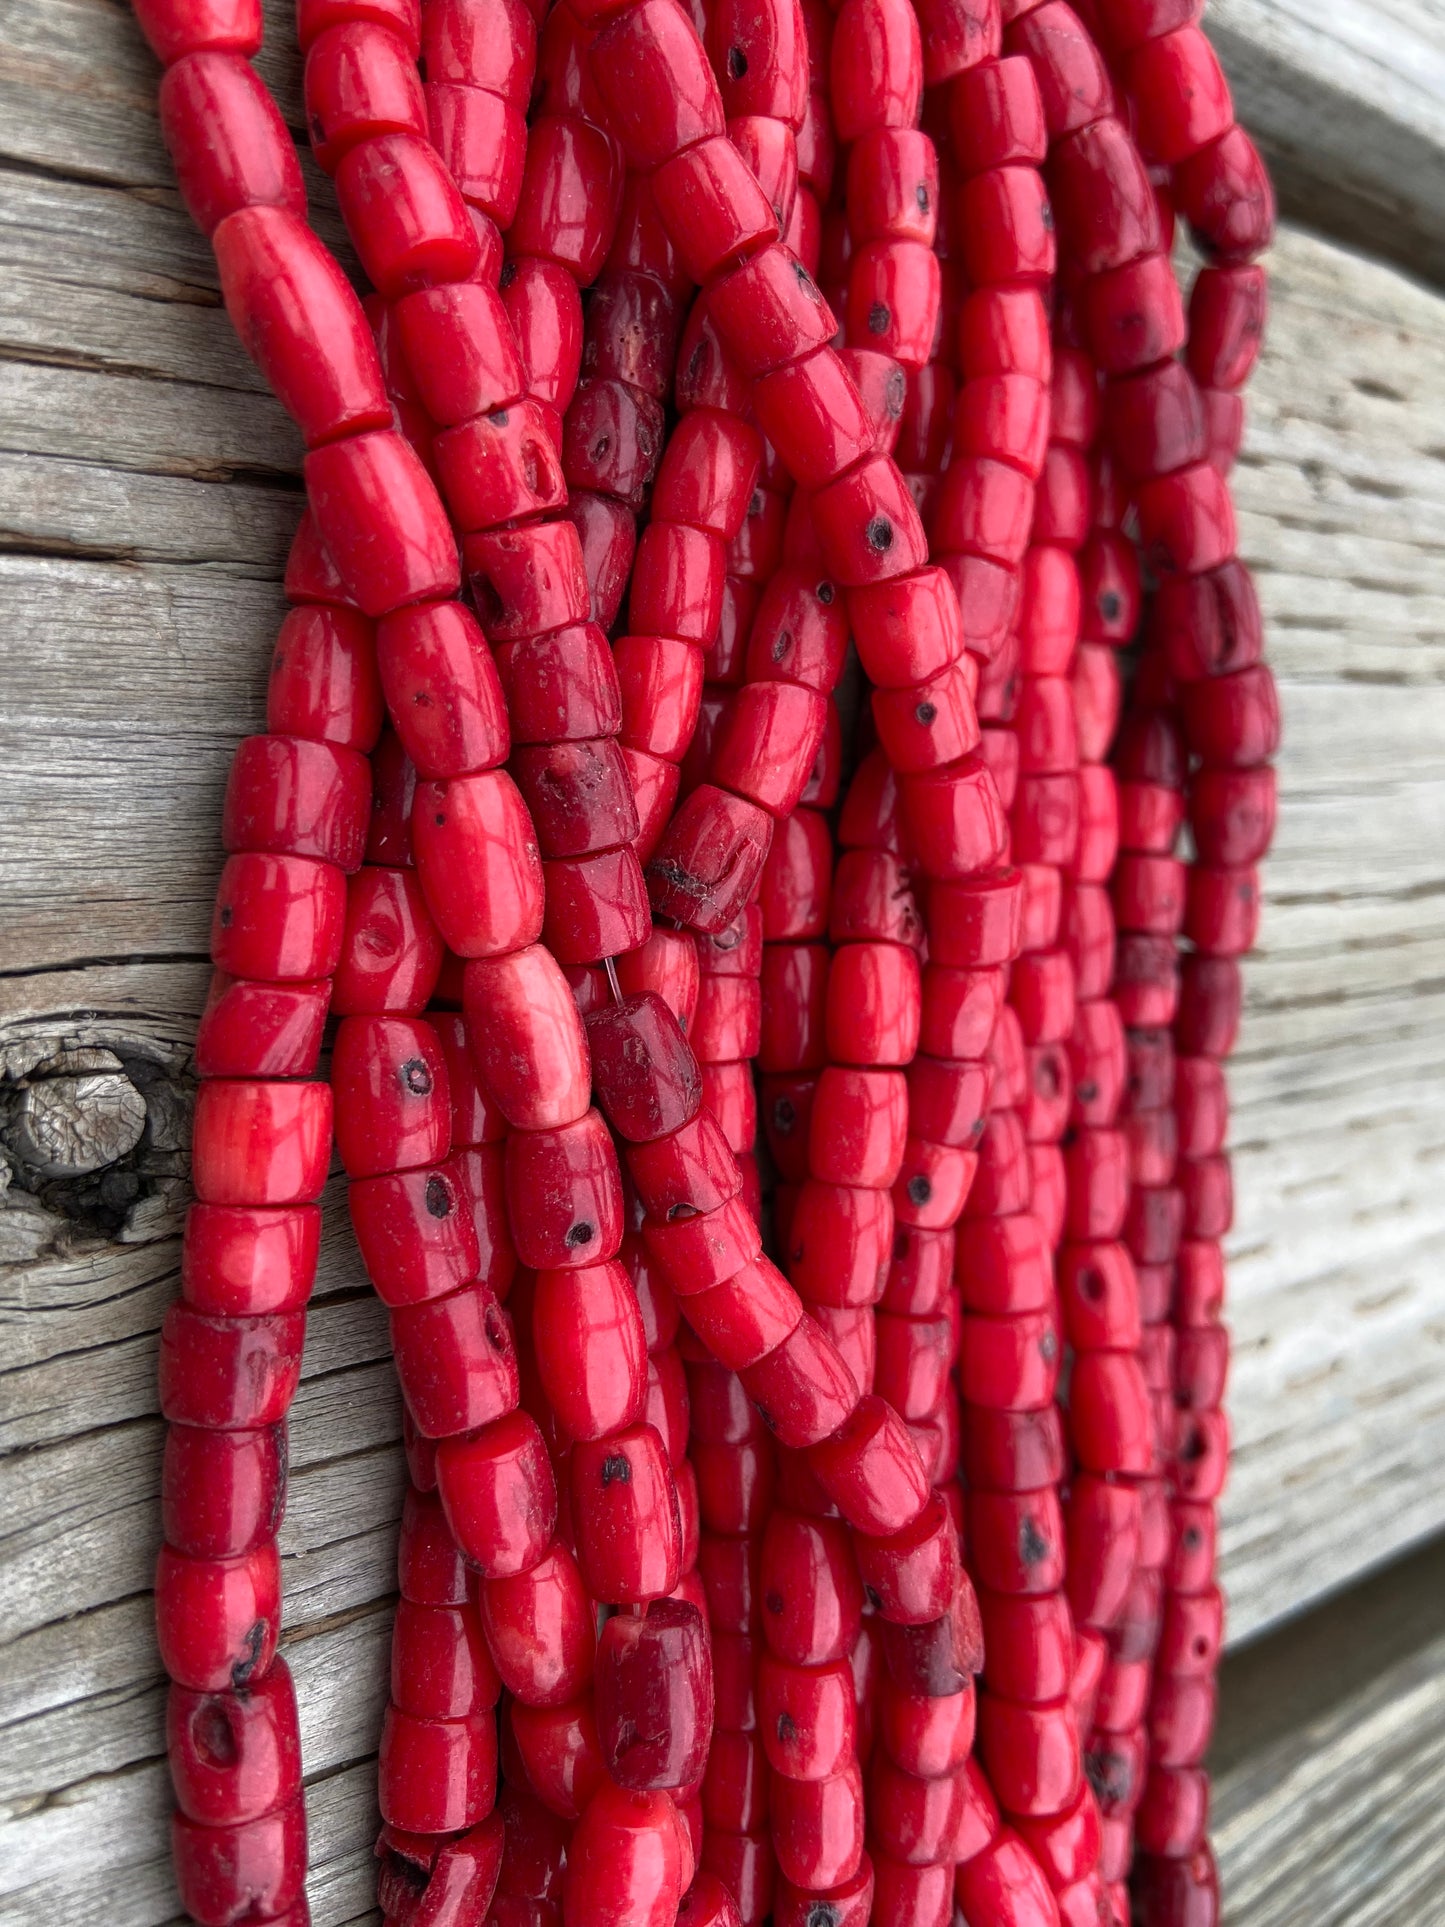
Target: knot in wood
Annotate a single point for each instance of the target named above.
(70, 1125)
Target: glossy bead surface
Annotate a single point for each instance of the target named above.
(654, 1696)
(624, 1506)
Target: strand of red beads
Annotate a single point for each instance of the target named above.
(295, 822)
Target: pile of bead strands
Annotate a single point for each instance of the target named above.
(680, 1565)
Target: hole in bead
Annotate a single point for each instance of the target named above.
(895, 394)
(680, 1213)
(1111, 605)
(616, 1469)
(1193, 1538)
(737, 63)
(784, 1115)
(926, 713)
(878, 318)
(495, 1327)
(581, 1233)
(226, 916)
(438, 1198)
(416, 1076)
(787, 1727)
(782, 644)
(1201, 1647)
(508, 274)
(806, 282)
(920, 1190)
(213, 1735)
(1091, 1285)
(773, 1601)
(825, 593)
(879, 535)
(823, 1913)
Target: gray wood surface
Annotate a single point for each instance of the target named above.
(1329, 1764)
(147, 494)
(1347, 99)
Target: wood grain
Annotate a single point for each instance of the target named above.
(1329, 1765)
(147, 492)
(1348, 103)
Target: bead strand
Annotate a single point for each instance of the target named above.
(295, 822)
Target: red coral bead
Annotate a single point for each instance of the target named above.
(222, 1493)
(654, 1696)
(229, 146)
(228, 1874)
(259, 1143)
(624, 1509)
(627, 1861)
(382, 521)
(234, 1756)
(217, 1619)
(1004, 1881)
(499, 1495)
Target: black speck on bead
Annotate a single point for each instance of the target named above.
(878, 318)
(508, 275)
(919, 1189)
(600, 447)
(416, 1076)
(226, 917)
(1048, 1348)
(782, 644)
(246, 1665)
(926, 713)
(920, 194)
(499, 418)
(440, 818)
(616, 1469)
(1033, 1546)
(495, 1327)
(784, 1114)
(806, 282)
(787, 1727)
(1193, 1538)
(580, 1234)
(680, 1213)
(895, 394)
(737, 63)
(1111, 605)
(826, 593)
(879, 535)
(438, 1198)
(773, 1601)
(874, 1598)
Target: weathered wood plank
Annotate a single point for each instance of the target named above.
(1348, 104)
(1330, 1761)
